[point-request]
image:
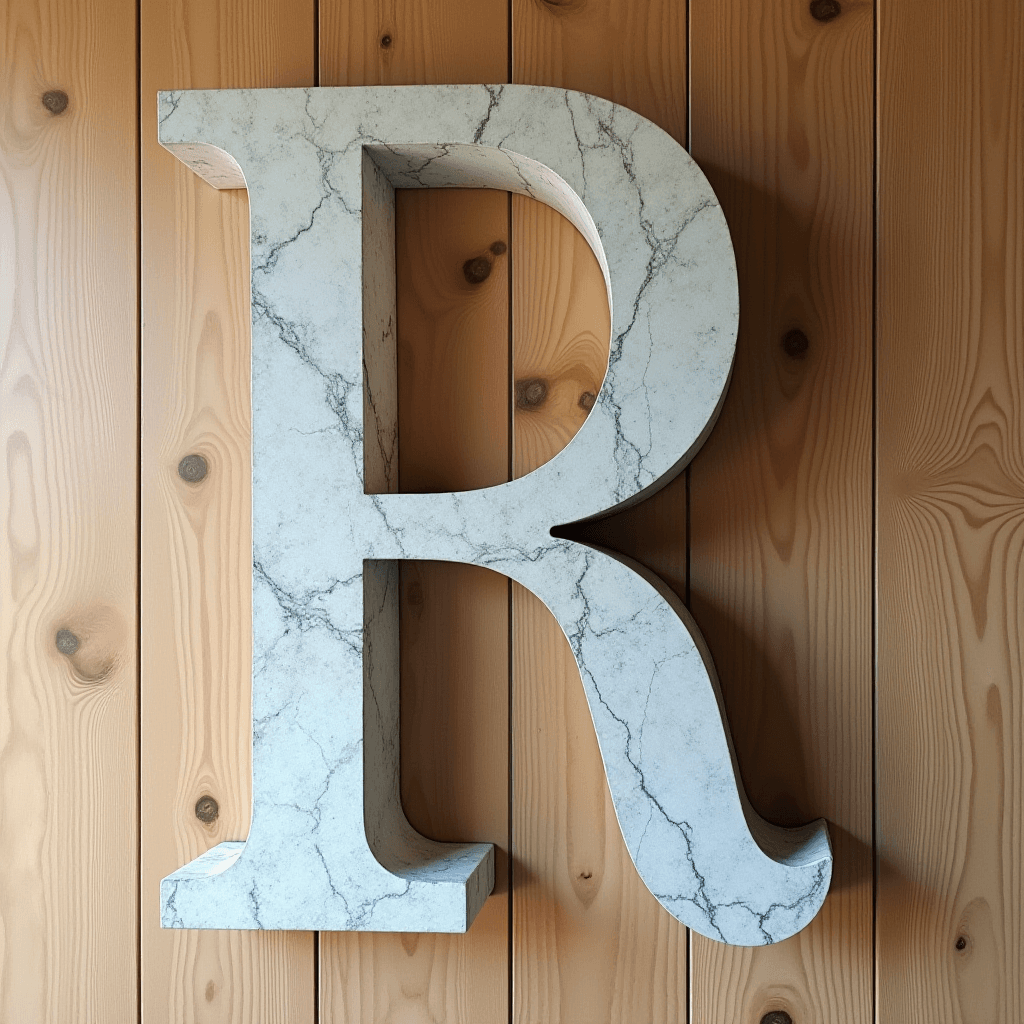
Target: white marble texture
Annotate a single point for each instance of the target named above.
(329, 846)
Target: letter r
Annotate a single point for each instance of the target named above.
(329, 846)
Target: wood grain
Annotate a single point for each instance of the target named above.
(68, 415)
(431, 42)
(950, 513)
(590, 943)
(453, 435)
(196, 536)
(630, 53)
(561, 332)
(781, 503)
(451, 248)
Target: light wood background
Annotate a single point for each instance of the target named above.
(850, 539)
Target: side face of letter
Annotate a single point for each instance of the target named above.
(329, 847)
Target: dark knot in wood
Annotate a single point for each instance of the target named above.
(499, 247)
(193, 468)
(587, 400)
(961, 943)
(777, 1017)
(55, 101)
(477, 270)
(207, 810)
(795, 344)
(67, 642)
(825, 10)
(531, 392)
(563, 6)
(385, 41)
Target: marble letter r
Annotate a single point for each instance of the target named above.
(329, 846)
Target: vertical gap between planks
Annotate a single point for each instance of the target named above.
(511, 611)
(688, 478)
(875, 135)
(511, 860)
(510, 401)
(316, 48)
(316, 934)
(510, 972)
(316, 978)
(138, 510)
(508, 73)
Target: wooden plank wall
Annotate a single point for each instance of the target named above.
(869, 160)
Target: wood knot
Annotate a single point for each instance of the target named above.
(193, 468)
(94, 639)
(586, 884)
(825, 10)
(961, 943)
(777, 1017)
(66, 641)
(385, 41)
(499, 248)
(562, 6)
(55, 101)
(211, 991)
(587, 400)
(207, 809)
(477, 269)
(531, 392)
(795, 344)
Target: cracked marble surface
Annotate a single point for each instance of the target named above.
(329, 846)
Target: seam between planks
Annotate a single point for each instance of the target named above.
(511, 607)
(688, 477)
(138, 510)
(876, 40)
(510, 391)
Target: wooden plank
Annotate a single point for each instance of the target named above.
(590, 943)
(950, 512)
(451, 248)
(196, 535)
(629, 53)
(561, 332)
(68, 415)
(453, 435)
(432, 42)
(781, 504)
